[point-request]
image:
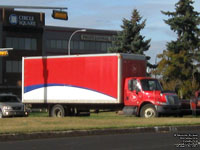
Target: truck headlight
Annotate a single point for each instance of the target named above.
(162, 103)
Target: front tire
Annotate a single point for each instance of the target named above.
(57, 111)
(148, 111)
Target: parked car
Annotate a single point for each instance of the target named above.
(10, 106)
(186, 107)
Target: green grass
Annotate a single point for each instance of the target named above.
(38, 114)
(40, 122)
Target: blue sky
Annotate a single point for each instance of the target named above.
(108, 14)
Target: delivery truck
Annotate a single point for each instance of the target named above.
(69, 85)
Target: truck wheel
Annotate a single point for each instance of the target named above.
(148, 111)
(57, 111)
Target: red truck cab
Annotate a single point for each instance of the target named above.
(145, 95)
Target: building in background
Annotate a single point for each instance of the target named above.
(27, 34)
(55, 40)
(22, 31)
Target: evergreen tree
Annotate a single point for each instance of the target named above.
(178, 62)
(129, 40)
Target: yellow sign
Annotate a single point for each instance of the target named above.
(60, 15)
(3, 53)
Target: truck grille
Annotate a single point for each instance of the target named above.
(17, 108)
(172, 100)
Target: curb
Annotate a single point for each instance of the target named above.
(73, 133)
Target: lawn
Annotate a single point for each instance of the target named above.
(40, 122)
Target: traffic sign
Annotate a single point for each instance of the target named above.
(3, 53)
(60, 15)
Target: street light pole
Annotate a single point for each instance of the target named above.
(82, 30)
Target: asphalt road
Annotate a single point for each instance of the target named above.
(139, 141)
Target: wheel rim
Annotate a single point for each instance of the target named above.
(149, 113)
(58, 113)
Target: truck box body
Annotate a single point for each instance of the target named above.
(79, 79)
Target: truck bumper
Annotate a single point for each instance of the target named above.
(168, 109)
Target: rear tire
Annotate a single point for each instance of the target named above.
(148, 111)
(57, 111)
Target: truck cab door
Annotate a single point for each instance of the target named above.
(133, 94)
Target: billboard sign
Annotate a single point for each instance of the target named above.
(23, 19)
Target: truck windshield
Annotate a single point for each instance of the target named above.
(150, 85)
